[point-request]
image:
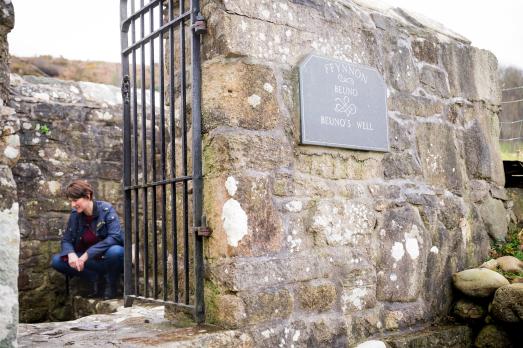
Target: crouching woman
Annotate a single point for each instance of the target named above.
(92, 243)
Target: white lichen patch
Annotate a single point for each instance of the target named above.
(393, 277)
(296, 336)
(266, 333)
(27, 125)
(342, 223)
(60, 154)
(11, 152)
(354, 298)
(254, 100)
(104, 116)
(411, 242)
(294, 206)
(231, 186)
(294, 243)
(268, 87)
(234, 221)
(54, 187)
(434, 250)
(12, 149)
(397, 251)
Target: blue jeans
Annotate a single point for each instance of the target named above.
(110, 265)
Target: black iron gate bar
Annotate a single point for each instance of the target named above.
(134, 186)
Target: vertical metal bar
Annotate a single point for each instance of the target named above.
(174, 234)
(144, 162)
(153, 160)
(136, 164)
(183, 113)
(197, 166)
(162, 157)
(127, 158)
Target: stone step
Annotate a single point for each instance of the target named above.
(137, 326)
(448, 336)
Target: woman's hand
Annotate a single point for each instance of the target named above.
(81, 262)
(72, 259)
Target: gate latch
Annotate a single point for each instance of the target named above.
(203, 230)
(200, 26)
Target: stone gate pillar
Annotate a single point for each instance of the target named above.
(9, 230)
(326, 246)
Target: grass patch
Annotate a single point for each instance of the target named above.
(511, 247)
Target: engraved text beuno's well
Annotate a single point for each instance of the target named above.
(342, 105)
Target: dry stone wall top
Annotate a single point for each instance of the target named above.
(371, 239)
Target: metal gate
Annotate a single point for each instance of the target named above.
(162, 171)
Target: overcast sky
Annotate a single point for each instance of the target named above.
(89, 29)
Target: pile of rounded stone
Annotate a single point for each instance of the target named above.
(490, 303)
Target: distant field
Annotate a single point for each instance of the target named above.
(64, 69)
(511, 151)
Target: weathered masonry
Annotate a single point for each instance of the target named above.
(320, 245)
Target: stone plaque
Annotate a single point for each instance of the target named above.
(343, 105)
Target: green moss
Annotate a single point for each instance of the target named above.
(211, 308)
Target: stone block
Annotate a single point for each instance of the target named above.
(495, 218)
(483, 157)
(472, 73)
(228, 152)
(239, 95)
(401, 71)
(507, 305)
(267, 304)
(401, 165)
(281, 333)
(244, 219)
(358, 297)
(363, 324)
(478, 282)
(439, 153)
(328, 332)
(316, 296)
(339, 223)
(407, 104)
(493, 336)
(435, 81)
(403, 248)
(426, 50)
(239, 274)
(516, 195)
(402, 315)
(401, 134)
(478, 190)
(335, 164)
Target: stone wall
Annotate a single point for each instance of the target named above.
(325, 247)
(67, 130)
(9, 230)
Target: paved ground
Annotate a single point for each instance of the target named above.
(138, 326)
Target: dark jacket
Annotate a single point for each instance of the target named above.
(105, 224)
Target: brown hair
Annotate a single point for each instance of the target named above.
(79, 189)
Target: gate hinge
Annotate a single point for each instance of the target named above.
(126, 84)
(199, 26)
(203, 230)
